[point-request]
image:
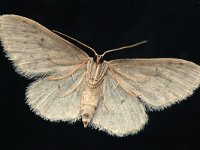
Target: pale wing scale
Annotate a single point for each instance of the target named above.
(169, 80)
(122, 113)
(43, 97)
(34, 49)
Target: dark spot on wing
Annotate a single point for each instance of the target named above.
(24, 42)
(42, 40)
(181, 63)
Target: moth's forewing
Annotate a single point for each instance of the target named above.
(167, 80)
(34, 49)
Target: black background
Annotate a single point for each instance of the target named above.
(172, 29)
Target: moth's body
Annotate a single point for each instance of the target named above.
(96, 69)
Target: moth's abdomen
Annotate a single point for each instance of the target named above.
(89, 102)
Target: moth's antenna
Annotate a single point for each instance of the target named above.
(129, 46)
(76, 41)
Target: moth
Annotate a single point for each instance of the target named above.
(112, 96)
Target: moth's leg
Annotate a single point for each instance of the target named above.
(58, 61)
(63, 75)
(117, 85)
(139, 78)
(124, 85)
(107, 109)
(72, 78)
(75, 65)
(64, 62)
(131, 91)
(72, 88)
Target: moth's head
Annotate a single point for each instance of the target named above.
(98, 59)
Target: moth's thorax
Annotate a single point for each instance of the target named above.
(95, 71)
